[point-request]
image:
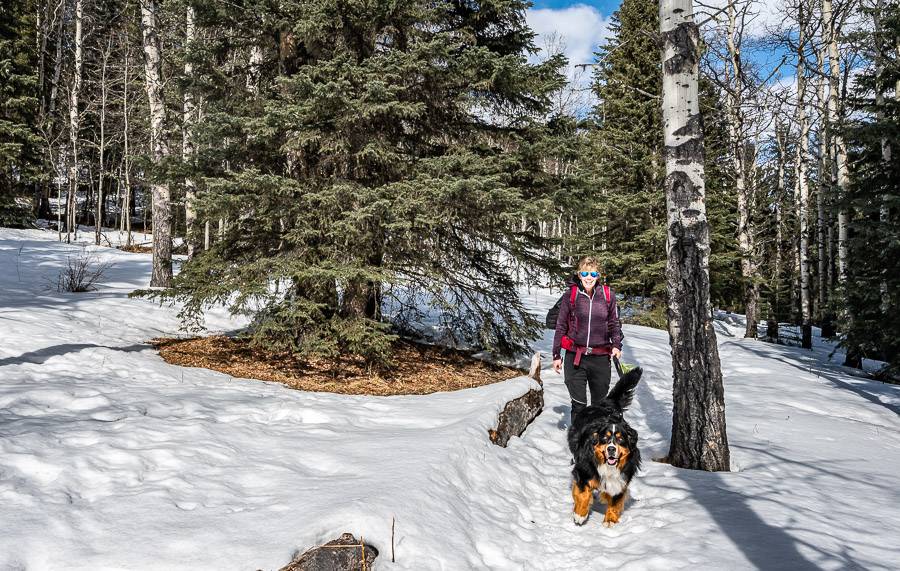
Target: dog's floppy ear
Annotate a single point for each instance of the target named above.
(634, 459)
(585, 462)
(632, 436)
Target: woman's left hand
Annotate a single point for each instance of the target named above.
(616, 352)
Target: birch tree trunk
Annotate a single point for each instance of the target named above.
(253, 71)
(162, 214)
(843, 178)
(737, 136)
(822, 188)
(104, 89)
(74, 121)
(853, 357)
(699, 440)
(886, 151)
(126, 157)
(802, 170)
(57, 62)
(823, 229)
(187, 147)
(772, 325)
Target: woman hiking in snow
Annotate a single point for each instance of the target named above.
(588, 328)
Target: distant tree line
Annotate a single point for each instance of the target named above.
(346, 172)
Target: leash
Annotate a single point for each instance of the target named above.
(618, 366)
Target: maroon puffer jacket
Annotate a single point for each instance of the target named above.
(595, 324)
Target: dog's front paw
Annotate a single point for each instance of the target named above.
(611, 519)
(579, 519)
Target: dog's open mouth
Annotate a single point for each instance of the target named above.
(612, 460)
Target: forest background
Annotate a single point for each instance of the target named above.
(327, 166)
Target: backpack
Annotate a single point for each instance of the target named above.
(553, 314)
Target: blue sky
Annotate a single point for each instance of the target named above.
(605, 7)
(582, 26)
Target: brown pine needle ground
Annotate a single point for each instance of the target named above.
(414, 370)
(136, 249)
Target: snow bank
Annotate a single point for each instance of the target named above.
(112, 459)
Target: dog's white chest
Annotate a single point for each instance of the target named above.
(611, 480)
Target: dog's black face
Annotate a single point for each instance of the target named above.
(612, 444)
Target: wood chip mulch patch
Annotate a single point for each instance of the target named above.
(415, 369)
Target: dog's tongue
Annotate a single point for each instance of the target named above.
(611, 461)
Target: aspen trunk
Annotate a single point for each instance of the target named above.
(843, 178)
(187, 147)
(736, 134)
(802, 173)
(126, 206)
(779, 224)
(886, 151)
(853, 357)
(162, 215)
(820, 195)
(253, 72)
(699, 440)
(98, 210)
(57, 63)
(74, 121)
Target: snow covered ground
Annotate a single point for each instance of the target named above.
(112, 459)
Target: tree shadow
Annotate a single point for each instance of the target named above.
(765, 545)
(827, 372)
(39, 356)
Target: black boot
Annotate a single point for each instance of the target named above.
(577, 407)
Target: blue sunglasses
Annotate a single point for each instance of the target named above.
(592, 274)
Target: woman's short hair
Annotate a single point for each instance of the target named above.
(588, 262)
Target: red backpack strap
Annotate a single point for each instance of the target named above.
(573, 319)
(606, 293)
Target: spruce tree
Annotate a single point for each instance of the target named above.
(721, 202)
(622, 198)
(625, 153)
(873, 280)
(383, 159)
(19, 143)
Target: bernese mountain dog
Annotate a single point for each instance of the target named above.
(605, 450)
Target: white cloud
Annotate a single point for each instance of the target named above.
(762, 16)
(580, 29)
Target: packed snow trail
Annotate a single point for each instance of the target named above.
(112, 459)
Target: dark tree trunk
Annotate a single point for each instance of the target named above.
(699, 440)
(772, 330)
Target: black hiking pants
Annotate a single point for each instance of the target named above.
(593, 372)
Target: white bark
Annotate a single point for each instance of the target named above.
(253, 72)
(126, 158)
(886, 150)
(802, 169)
(824, 180)
(57, 63)
(104, 89)
(187, 147)
(699, 440)
(75, 120)
(737, 136)
(834, 119)
(162, 219)
(779, 223)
